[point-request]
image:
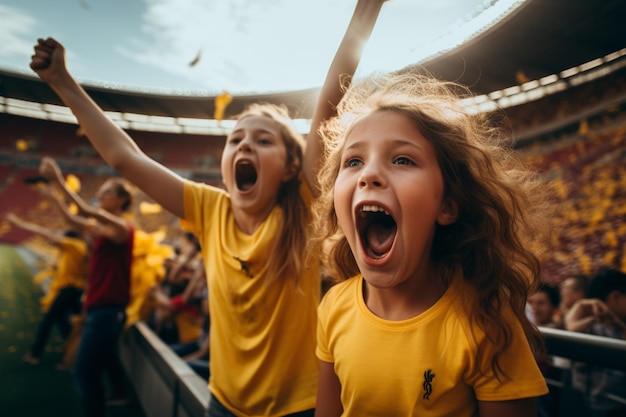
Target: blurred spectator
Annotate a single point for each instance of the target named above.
(572, 289)
(108, 286)
(544, 304)
(602, 314)
(177, 319)
(196, 353)
(63, 298)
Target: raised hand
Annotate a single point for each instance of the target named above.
(49, 169)
(13, 219)
(48, 61)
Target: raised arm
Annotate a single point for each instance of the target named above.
(113, 227)
(344, 65)
(111, 142)
(51, 235)
(77, 221)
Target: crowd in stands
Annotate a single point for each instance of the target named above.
(596, 305)
(603, 95)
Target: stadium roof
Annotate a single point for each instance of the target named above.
(541, 38)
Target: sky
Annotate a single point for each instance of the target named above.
(240, 46)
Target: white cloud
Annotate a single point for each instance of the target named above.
(15, 26)
(278, 45)
(245, 45)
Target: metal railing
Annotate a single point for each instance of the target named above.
(166, 386)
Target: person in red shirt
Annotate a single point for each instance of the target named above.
(108, 285)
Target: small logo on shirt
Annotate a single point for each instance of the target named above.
(245, 268)
(428, 384)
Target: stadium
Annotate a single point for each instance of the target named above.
(556, 69)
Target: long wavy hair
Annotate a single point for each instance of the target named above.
(495, 239)
(290, 246)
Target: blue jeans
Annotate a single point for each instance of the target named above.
(98, 353)
(217, 409)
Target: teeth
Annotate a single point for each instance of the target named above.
(373, 208)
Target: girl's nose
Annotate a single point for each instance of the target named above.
(244, 145)
(371, 176)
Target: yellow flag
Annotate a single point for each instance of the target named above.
(185, 225)
(521, 77)
(72, 182)
(21, 145)
(221, 102)
(149, 208)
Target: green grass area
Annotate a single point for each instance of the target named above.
(28, 390)
(33, 390)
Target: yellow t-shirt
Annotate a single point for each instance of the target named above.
(70, 269)
(262, 338)
(428, 365)
(72, 266)
(189, 326)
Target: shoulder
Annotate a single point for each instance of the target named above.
(75, 243)
(342, 291)
(341, 288)
(200, 187)
(201, 194)
(201, 198)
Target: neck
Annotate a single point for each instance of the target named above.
(404, 301)
(248, 222)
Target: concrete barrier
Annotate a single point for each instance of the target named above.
(164, 384)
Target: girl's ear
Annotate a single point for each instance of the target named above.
(448, 213)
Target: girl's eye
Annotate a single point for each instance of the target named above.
(265, 141)
(352, 162)
(234, 140)
(403, 160)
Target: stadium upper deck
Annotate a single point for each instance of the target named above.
(541, 40)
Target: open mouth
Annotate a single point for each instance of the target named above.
(245, 175)
(377, 230)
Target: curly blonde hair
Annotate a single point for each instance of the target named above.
(494, 240)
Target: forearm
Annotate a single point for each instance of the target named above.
(348, 55)
(82, 205)
(88, 211)
(341, 70)
(111, 142)
(34, 228)
(579, 324)
(75, 220)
